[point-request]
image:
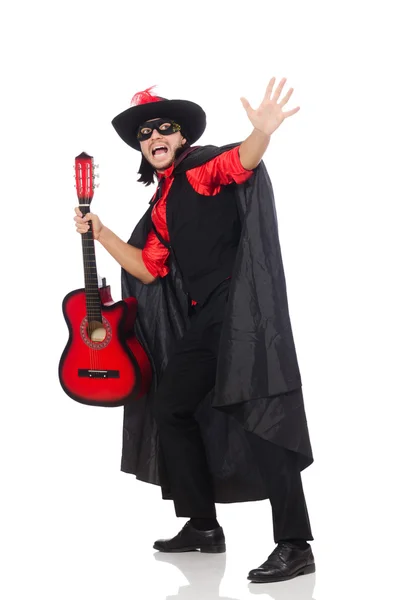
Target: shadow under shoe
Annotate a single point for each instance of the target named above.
(203, 573)
(285, 562)
(190, 539)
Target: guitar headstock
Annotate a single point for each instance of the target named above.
(84, 174)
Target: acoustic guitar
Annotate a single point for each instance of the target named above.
(103, 363)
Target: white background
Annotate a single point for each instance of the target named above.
(74, 526)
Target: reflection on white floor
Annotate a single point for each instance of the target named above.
(204, 574)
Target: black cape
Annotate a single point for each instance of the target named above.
(258, 384)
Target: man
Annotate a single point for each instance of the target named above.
(225, 419)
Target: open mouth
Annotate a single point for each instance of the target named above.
(159, 150)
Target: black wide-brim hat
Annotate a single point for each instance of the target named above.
(189, 115)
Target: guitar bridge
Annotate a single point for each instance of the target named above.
(99, 373)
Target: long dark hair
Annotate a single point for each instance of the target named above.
(146, 171)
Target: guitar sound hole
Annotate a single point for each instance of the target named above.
(96, 331)
(96, 334)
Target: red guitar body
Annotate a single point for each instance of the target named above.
(113, 371)
(103, 364)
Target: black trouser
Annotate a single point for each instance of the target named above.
(188, 377)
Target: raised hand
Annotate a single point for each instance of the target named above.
(269, 115)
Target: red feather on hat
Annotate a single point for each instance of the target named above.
(144, 97)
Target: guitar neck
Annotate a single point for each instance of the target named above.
(93, 299)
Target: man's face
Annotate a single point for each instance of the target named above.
(160, 150)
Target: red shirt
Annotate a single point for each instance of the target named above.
(206, 180)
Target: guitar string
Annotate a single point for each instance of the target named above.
(84, 173)
(84, 210)
(97, 299)
(88, 292)
(98, 352)
(92, 270)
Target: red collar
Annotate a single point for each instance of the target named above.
(167, 173)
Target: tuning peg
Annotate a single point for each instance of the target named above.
(96, 166)
(96, 185)
(96, 175)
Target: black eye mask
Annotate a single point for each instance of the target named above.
(146, 129)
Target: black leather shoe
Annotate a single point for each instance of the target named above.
(285, 562)
(190, 539)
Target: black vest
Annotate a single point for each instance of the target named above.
(204, 235)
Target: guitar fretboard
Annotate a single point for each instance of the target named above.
(90, 274)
